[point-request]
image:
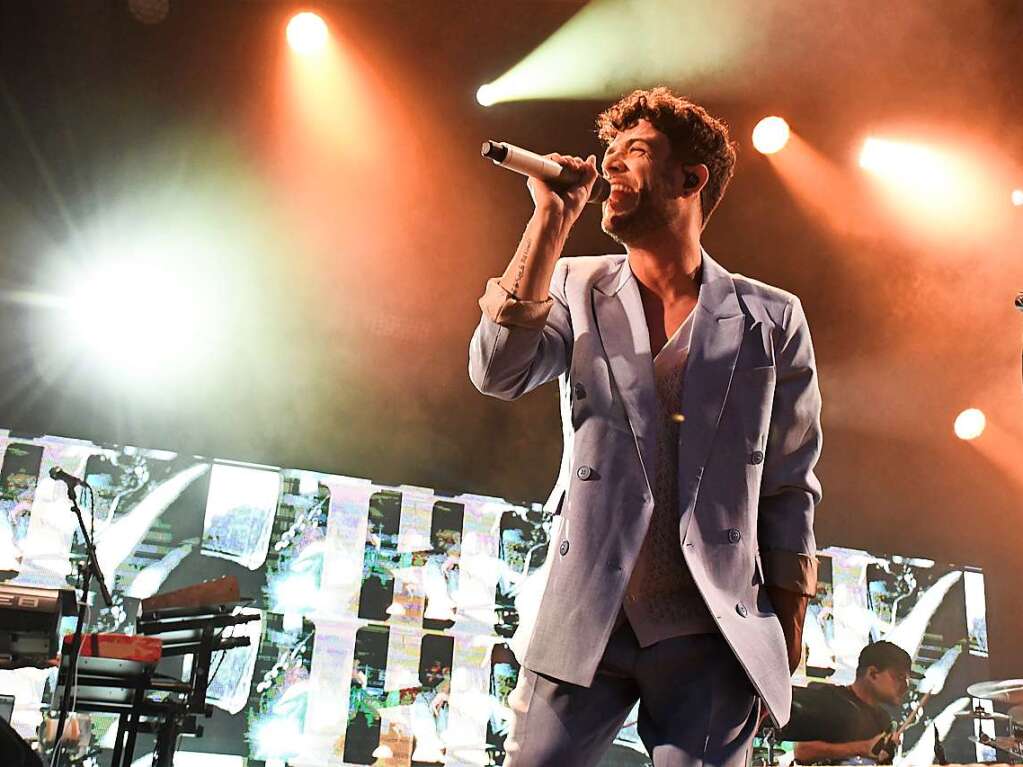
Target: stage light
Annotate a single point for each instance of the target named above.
(1017, 197)
(970, 424)
(594, 54)
(770, 135)
(485, 95)
(940, 190)
(137, 319)
(910, 163)
(307, 34)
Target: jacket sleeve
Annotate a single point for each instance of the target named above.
(789, 490)
(520, 345)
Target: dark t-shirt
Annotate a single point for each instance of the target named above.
(833, 714)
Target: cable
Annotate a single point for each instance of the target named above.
(220, 662)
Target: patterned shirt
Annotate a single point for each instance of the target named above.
(662, 600)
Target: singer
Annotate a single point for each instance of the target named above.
(682, 554)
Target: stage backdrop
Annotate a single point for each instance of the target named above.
(387, 614)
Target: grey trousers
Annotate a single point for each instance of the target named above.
(697, 707)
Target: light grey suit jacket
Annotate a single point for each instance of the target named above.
(748, 445)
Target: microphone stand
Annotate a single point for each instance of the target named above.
(86, 571)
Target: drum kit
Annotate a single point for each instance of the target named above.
(1007, 693)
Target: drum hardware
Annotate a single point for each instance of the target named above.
(980, 713)
(766, 754)
(1008, 692)
(1010, 746)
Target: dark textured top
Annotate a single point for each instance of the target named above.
(833, 714)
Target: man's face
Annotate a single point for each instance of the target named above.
(890, 685)
(639, 165)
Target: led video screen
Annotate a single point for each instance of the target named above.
(388, 616)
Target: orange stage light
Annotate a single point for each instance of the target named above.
(939, 188)
(771, 135)
(307, 34)
(970, 424)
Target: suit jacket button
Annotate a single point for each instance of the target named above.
(757, 456)
(580, 391)
(741, 609)
(584, 472)
(734, 536)
(563, 548)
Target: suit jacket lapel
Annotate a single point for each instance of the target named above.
(717, 335)
(623, 333)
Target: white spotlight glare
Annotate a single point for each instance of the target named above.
(938, 189)
(970, 424)
(307, 33)
(133, 318)
(911, 165)
(1017, 197)
(771, 135)
(485, 95)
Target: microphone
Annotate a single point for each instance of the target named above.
(1019, 301)
(531, 164)
(60, 475)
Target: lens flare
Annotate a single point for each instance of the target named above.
(771, 135)
(307, 34)
(1017, 197)
(970, 424)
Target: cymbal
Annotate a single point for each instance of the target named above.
(1005, 744)
(1009, 691)
(979, 713)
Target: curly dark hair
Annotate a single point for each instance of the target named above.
(694, 135)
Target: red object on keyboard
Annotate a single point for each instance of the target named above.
(142, 649)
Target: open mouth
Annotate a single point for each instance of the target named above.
(622, 196)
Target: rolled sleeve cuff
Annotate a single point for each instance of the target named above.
(504, 309)
(790, 571)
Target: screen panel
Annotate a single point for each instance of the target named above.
(388, 614)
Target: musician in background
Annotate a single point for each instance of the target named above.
(832, 724)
